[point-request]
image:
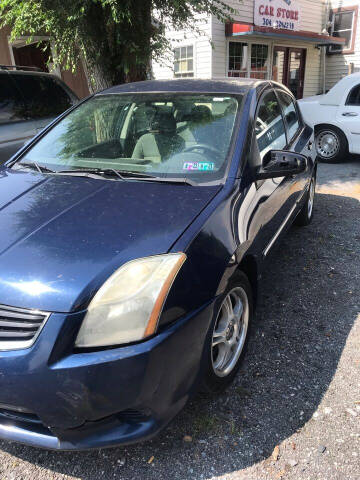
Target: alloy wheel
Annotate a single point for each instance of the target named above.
(311, 197)
(230, 332)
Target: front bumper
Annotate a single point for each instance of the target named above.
(54, 398)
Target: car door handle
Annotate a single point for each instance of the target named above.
(349, 114)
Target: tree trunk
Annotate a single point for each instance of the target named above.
(119, 52)
(95, 77)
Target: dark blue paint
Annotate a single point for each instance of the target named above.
(69, 234)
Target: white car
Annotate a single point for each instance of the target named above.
(335, 118)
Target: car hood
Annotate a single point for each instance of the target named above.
(62, 236)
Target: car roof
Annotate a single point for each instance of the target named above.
(335, 95)
(32, 73)
(221, 85)
(6, 70)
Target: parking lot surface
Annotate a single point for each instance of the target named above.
(293, 411)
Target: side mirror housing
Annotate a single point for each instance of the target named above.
(281, 163)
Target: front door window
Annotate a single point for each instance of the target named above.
(269, 125)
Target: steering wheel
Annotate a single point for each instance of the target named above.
(203, 146)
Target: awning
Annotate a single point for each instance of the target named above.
(240, 29)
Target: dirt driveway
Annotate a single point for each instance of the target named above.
(294, 410)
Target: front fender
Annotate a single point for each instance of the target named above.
(217, 248)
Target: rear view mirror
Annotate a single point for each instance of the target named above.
(280, 163)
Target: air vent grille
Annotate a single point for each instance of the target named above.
(19, 328)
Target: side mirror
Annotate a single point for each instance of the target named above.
(280, 163)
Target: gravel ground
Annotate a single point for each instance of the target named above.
(294, 409)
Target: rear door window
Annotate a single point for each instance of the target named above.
(12, 108)
(269, 125)
(354, 97)
(43, 96)
(290, 114)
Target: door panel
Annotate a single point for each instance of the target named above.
(348, 118)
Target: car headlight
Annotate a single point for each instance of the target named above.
(128, 305)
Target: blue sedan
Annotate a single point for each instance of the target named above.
(134, 231)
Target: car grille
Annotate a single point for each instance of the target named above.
(19, 328)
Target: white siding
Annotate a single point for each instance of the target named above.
(337, 65)
(219, 51)
(202, 51)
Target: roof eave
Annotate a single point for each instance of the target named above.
(245, 29)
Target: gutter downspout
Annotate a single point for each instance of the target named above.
(324, 70)
(327, 12)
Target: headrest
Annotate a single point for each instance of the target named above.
(163, 123)
(178, 115)
(201, 113)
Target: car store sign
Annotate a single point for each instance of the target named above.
(284, 14)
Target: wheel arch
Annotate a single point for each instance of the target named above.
(248, 265)
(318, 126)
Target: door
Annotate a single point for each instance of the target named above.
(348, 117)
(271, 199)
(289, 68)
(299, 141)
(280, 65)
(34, 55)
(15, 127)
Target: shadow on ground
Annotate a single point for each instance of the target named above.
(305, 314)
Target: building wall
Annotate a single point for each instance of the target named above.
(211, 59)
(163, 69)
(337, 65)
(77, 82)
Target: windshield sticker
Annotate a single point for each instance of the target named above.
(199, 166)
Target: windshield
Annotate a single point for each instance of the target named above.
(165, 135)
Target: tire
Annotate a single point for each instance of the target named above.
(217, 372)
(306, 213)
(331, 145)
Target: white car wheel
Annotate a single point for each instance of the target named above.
(330, 144)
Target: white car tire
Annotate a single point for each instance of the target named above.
(331, 144)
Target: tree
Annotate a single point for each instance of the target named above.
(114, 38)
